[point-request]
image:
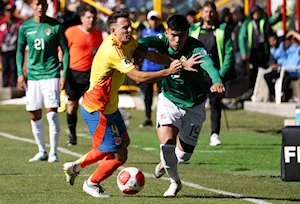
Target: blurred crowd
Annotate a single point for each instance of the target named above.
(255, 44)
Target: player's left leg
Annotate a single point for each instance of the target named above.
(50, 91)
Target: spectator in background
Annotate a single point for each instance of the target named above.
(238, 18)
(83, 42)
(217, 40)
(285, 55)
(141, 22)
(253, 41)
(277, 59)
(9, 26)
(155, 27)
(23, 10)
(191, 17)
(2, 6)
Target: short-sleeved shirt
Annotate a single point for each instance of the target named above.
(111, 64)
(185, 89)
(82, 47)
(43, 40)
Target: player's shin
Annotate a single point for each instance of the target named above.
(54, 129)
(38, 133)
(169, 161)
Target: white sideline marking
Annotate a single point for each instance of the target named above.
(193, 185)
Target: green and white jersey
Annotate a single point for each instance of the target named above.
(43, 40)
(185, 89)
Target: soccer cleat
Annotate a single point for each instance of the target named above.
(70, 172)
(214, 140)
(173, 189)
(159, 170)
(72, 140)
(52, 158)
(146, 123)
(40, 156)
(95, 190)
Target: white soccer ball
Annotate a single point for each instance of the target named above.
(131, 180)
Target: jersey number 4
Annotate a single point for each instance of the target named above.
(39, 44)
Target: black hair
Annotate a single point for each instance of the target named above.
(115, 15)
(178, 23)
(211, 5)
(86, 7)
(273, 34)
(191, 13)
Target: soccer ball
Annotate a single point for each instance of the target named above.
(130, 180)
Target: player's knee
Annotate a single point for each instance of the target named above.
(182, 157)
(168, 154)
(126, 139)
(122, 155)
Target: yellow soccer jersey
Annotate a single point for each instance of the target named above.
(111, 63)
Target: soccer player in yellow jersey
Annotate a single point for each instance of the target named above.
(112, 62)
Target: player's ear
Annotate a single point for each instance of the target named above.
(112, 29)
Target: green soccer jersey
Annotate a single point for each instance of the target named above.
(43, 40)
(185, 89)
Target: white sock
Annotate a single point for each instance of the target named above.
(54, 129)
(89, 182)
(38, 133)
(182, 157)
(169, 161)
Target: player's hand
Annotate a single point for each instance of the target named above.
(217, 88)
(21, 82)
(175, 67)
(62, 83)
(194, 59)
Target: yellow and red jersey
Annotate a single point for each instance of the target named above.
(82, 46)
(112, 62)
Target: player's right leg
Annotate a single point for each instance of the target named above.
(169, 121)
(34, 106)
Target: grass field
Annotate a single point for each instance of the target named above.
(244, 169)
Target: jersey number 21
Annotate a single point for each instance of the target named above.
(39, 44)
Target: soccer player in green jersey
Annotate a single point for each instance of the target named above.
(180, 109)
(42, 35)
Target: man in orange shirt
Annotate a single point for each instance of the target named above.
(83, 42)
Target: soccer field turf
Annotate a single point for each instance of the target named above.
(244, 169)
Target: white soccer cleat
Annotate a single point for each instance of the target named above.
(95, 190)
(70, 173)
(214, 140)
(159, 170)
(173, 189)
(40, 156)
(53, 158)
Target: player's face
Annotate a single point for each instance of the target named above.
(208, 14)
(122, 30)
(39, 7)
(176, 39)
(88, 20)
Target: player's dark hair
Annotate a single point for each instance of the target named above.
(86, 7)
(178, 23)
(211, 5)
(115, 15)
(191, 13)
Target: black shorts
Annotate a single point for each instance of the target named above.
(77, 83)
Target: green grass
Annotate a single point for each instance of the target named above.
(247, 163)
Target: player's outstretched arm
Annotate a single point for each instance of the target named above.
(143, 77)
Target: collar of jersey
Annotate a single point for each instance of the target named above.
(116, 41)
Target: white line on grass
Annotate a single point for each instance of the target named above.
(193, 185)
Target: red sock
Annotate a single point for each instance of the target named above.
(105, 169)
(91, 157)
